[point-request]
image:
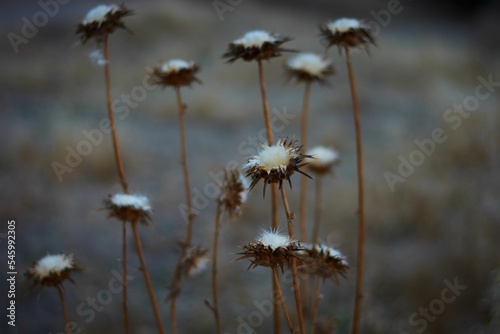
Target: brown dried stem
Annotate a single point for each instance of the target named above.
(215, 302)
(282, 300)
(147, 279)
(295, 274)
(65, 312)
(361, 227)
(274, 192)
(121, 175)
(318, 203)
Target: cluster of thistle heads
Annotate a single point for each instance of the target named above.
(273, 163)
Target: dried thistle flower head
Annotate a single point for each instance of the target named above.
(102, 20)
(129, 207)
(195, 261)
(322, 159)
(176, 72)
(256, 45)
(275, 163)
(234, 192)
(309, 67)
(323, 261)
(52, 270)
(271, 249)
(346, 33)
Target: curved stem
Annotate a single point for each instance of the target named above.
(274, 192)
(295, 274)
(147, 279)
(121, 175)
(111, 116)
(215, 302)
(124, 277)
(65, 312)
(318, 203)
(361, 228)
(282, 300)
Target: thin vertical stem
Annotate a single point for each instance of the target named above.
(295, 274)
(111, 116)
(282, 300)
(318, 203)
(65, 312)
(184, 163)
(174, 286)
(147, 279)
(215, 302)
(303, 140)
(124, 277)
(121, 175)
(303, 179)
(315, 303)
(274, 192)
(361, 228)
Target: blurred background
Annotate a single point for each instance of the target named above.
(438, 223)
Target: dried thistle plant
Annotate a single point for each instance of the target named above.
(306, 68)
(52, 271)
(129, 208)
(98, 24)
(195, 261)
(259, 45)
(102, 21)
(271, 250)
(179, 73)
(275, 164)
(346, 34)
(233, 194)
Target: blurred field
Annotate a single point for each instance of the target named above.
(442, 223)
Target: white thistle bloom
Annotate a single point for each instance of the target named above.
(98, 14)
(322, 159)
(175, 65)
(274, 240)
(245, 182)
(138, 202)
(52, 270)
(275, 163)
(271, 157)
(310, 63)
(53, 264)
(255, 38)
(344, 25)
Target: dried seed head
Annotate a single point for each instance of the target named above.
(346, 33)
(129, 207)
(271, 249)
(194, 261)
(256, 45)
(102, 20)
(176, 72)
(309, 67)
(52, 270)
(275, 163)
(234, 192)
(323, 261)
(322, 159)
